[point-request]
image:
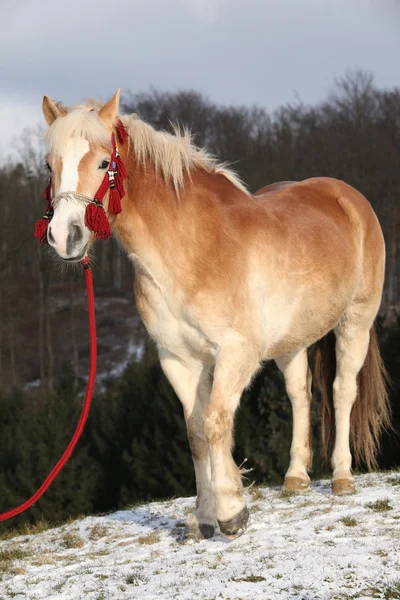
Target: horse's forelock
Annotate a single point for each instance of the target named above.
(79, 122)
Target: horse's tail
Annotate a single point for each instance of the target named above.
(371, 411)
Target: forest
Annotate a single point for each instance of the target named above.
(134, 447)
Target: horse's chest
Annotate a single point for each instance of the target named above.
(171, 323)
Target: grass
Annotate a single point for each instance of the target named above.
(149, 539)
(98, 531)
(387, 591)
(103, 552)
(7, 557)
(394, 480)
(72, 540)
(13, 553)
(36, 528)
(135, 579)
(42, 559)
(285, 493)
(380, 505)
(349, 521)
(218, 560)
(256, 493)
(27, 529)
(249, 579)
(57, 588)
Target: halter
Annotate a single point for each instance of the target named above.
(95, 216)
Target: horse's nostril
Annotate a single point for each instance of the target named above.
(51, 236)
(76, 233)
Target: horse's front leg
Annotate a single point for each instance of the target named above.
(192, 383)
(234, 368)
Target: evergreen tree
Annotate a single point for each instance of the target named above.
(35, 433)
(157, 461)
(263, 427)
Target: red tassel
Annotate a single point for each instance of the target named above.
(121, 167)
(96, 220)
(122, 132)
(119, 184)
(47, 195)
(41, 229)
(114, 203)
(43, 223)
(103, 188)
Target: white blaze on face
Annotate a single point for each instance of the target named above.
(68, 212)
(71, 157)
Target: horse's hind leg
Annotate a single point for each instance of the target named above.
(192, 384)
(352, 340)
(298, 386)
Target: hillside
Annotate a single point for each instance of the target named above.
(314, 546)
(120, 332)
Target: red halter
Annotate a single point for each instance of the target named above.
(95, 216)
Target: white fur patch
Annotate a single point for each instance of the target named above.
(71, 157)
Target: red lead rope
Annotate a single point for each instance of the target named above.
(85, 409)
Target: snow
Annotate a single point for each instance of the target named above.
(135, 350)
(294, 547)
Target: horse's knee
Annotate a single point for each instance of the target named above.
(217, 424)
(197, 439)
(198, 445)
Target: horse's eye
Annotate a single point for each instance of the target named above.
(48, 166)
(104, 164)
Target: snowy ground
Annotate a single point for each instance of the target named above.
(314, 546)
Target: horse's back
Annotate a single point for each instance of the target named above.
(273, 187)
(324, 201)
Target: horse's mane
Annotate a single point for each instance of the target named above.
(173, 155)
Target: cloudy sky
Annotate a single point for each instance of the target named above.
(235, 51)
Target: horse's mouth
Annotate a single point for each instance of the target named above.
(75, 259)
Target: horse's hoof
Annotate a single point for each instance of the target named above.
(343, 487)
(235, 525)
(195, 531)
(296, 484)
(207, 531)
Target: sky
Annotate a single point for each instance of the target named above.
(265, 52)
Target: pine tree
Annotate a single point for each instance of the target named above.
(263, 427)
(157, 461)
(35, 432)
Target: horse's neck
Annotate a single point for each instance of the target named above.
(151, 221)
(171, 236)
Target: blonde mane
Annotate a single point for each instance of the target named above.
(173, 155)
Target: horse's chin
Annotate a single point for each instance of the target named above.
(75, 259)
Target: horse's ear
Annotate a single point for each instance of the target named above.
(50, 110)
(109, 111)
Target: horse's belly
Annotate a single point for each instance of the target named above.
(300, 322)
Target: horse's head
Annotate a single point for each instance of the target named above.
(80, 149)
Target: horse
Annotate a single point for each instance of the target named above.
(225, 280)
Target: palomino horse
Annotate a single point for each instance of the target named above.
(226, 280)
